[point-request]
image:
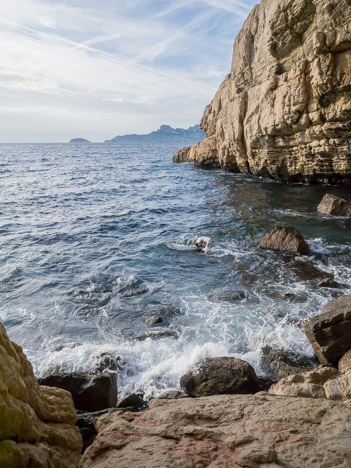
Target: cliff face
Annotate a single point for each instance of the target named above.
(284, 111)
(36, 422)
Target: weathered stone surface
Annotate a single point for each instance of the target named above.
(36, 423)
(333, 205)
(90, 392)
(285, 239)
(214, 376)
(345, 362)
(225, 431)
(86, 424)
(308, 384)
(284, 110)
(339, 386)
(279, 363)
(330, 332)
(171, 395)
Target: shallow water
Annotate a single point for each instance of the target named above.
(93, 236)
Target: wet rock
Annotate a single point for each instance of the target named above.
(134, 401)
(279, 363)
(308, 384)
(154, 320)
(106, 362)
(333, 205)
(328, 283)
(155, 335)
(225, 431)
(202, 243)
(234, 296)
(67, 345)
(90, 392)
(171, 395)
(160, 314)
(132, 291)
(37, 424)
(285, 239)
(308, 272)
(330, 332)
(214, 376)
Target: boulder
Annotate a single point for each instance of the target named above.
(160, 314)
(345, 362)
(37, 424)
(233, 431)
(339, 386)
(133, 401)
(171, 395)
(202, 243)
(213, 376)
(285, 239)
(333, 205)
(330, 332)
(90, 392)
(308, 384)
(279, 363)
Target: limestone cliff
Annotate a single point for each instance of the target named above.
(284, 111)
(36, 422)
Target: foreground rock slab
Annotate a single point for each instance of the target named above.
(330, 332)
(36, 423)
(333, 205)
(285, 239)
(225, 431)
(214, 376)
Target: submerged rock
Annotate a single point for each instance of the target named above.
(37, 424)
(160, 314)
(214, 376)
(283, 111)
(234, 296)
(279, 363)
(90, 392)
(285, 239)
(330, 332)
(232, 431)
(333, 205)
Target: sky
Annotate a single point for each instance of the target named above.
(99, 68)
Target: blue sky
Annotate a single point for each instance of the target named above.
(95, 69)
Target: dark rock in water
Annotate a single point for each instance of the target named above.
(107, 362)
(308, 272)
(134, 401)
(279, 363)
(67, 345)
(131, 291)
(327, 283)
(86, 425)
(155, 334)
(171, 395)
(160, 314)
(90, 392)
(154, 320)
(202, 243)
(214, 376)
(330, 332)
(333, 205)
(234, 296)
(285, 239)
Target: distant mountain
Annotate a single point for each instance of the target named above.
(80, 141)
(164, 133)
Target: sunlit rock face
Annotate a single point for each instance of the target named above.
(284, 111)
(37, 426)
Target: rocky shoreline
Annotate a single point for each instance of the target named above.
(224, 415)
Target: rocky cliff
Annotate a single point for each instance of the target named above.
(284, 111)
(36, 422)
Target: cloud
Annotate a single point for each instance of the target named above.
(112, 59)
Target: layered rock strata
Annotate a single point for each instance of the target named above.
(284, 111)
(37, 424)
(225, 431)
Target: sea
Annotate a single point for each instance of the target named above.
(96, 239)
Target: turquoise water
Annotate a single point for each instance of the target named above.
(94, 237)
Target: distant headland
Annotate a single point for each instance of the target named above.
(80, 141)
(165, 133)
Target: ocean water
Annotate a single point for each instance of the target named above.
(95, 238)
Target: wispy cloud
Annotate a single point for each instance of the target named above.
(113, 67)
